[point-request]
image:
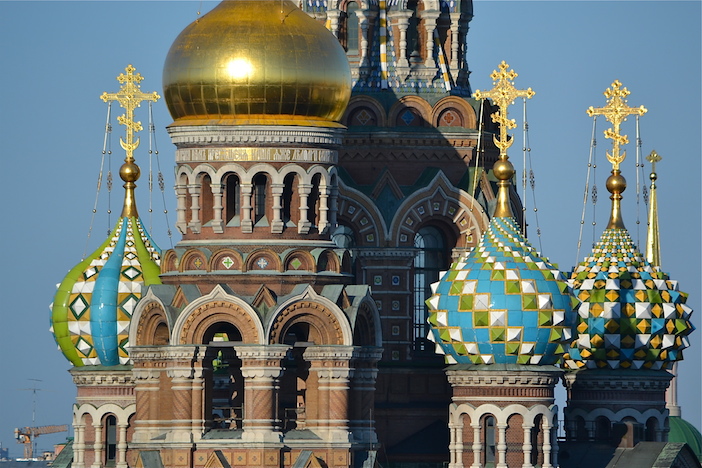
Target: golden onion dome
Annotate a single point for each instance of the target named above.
(256, 62)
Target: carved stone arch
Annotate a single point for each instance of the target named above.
(226, 260)
(193, 260)
(229, 168)
(360, 214)
(309, 303)
(152, 328)
(328, 260)
(367, 329)
(324, 176)
(415, 105)
(346, 263)
(169, 262)
(439, 202)
(464, 110)
(307, 320)
(184, 175)
(248, 175)
(203, 169)
(288, 169)
(299, 260)
(200, 319)
(376, 113)
(263, 259)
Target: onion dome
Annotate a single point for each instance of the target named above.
(503, 303)
(683, 432)
(93, 306)
(631, 315)
(256, 62)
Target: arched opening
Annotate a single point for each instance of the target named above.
(313, 201)
(414, 37)
(652, 430)
(224, 382)
(537, 439)
(581, 434)
(431, 258)
(602, 429)
(161, 334)
(206, 200)
(110, 434)
(289, 202)
(489, 440)
(292, 402)
(350, 35)
(260, 186)
(232, 201)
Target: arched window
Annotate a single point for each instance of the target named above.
(260, 183)
(313, 201)
(232, 198)
(431, 258)
(289, 203)
(110, 440)
(537, 439)
(352, 28)
(206, 200)
(602, 429)
(489, 444)
(651, 430)
(224, 388)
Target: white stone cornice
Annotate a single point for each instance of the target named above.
(258, 135)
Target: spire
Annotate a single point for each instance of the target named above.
(653, 247)
(129, 97)
(503, 94)
(616, 111)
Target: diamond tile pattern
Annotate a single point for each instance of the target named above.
(502, 303)
(94, 304)
(631, 316)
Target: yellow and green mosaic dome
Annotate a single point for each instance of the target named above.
(93, 306)
(631, 314)
(501, 304)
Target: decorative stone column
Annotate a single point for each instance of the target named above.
(323, 222)
(79, 446)
(362, 401)
(261, 368)
(333, 206)
(98, 444)
(303, 226)
(181, 208)
(333, 16)
(217, 221)
(331, 367)
(401, 20)
(122, 444)
(195, 223)
(277, 223)
(246, 223)
(365, 20)
(430, 17)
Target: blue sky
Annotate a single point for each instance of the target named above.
(58, 57)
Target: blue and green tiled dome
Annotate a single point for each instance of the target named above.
(93, 306)
(631, 315)
(501, 304)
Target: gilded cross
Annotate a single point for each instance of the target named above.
(653, 158)
(616, 111)
(503, 94)
(129, 97)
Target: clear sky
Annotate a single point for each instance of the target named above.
(58, 57)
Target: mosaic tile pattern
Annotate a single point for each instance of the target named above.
(502, 304)
(93, 306)
(631, 316)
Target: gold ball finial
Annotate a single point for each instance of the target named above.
(616, 183)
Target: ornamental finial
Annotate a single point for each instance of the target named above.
(129, 97)
(653, 246)
(503, 94)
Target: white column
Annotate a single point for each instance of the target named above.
(304, 225)
(217, 222)
(195, 223)
(122, 446)
(323, 223)
(401, 19)
(527, 447)
(477, 446)
(79, 446)
(430, 18)
(181, 208)
(277, 192)
(547, 443)
(455, 42)
(456, 443)
(97, 446)
(502, 446)
(246, 223)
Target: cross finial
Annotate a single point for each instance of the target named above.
(653, 245)
(129, 97)
(503, 94)
(653, 158)
(616, 111)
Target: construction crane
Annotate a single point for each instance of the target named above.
(26, 436)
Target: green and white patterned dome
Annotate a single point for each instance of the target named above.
(631, 315)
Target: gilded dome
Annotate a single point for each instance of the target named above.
(501, 304)
(256, 62)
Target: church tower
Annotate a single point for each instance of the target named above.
(258, 349)
(632, 321)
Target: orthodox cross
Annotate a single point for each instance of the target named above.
(503, 94)
(653, 158)
(129, 97)
(616, 111)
